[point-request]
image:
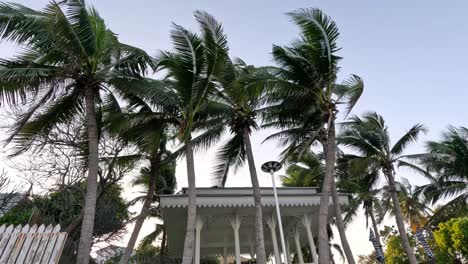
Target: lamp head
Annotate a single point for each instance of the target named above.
(271, 166)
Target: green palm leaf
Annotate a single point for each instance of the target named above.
(410, 137)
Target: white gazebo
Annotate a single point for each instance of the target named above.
(225, 221)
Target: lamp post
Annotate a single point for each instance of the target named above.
(272, 167)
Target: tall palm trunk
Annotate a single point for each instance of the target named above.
(329, 148)
(340, 225)
(162, 247)
(89, 210)
(399, 217)
(145, 209)
(374, 225)
(192, 206)
(163, 242)
(259, 238)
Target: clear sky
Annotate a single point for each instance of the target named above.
(411, 55)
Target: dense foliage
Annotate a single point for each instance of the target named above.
(64, 206)
(451, 238)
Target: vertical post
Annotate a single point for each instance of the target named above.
(288, 251)
(278, 214)
(198, 226)
(252, 250)
(225, 261)
(306, 221)
(298, 246)
(235, 223)
(272, 225)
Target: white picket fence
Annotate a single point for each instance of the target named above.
(31, 245)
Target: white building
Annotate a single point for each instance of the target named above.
(225, 221)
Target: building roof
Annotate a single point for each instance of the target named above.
(217, 206)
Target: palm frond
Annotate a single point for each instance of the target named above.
(19, 23)
(407, 138)
(414, 168)
(60, 112)
(231, 154)
(151, 237)
(320, 32)
(349, 92)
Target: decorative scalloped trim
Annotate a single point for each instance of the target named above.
(208, 202)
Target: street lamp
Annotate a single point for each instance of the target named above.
(272, 167)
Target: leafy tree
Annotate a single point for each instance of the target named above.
(451, 238)
(369, 137)
(64, 205)
(395, 253)
(304, 100)
(368, 259)
(69, 57)
(448, 159)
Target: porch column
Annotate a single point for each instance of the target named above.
(307, 222)
(288, 251)
(225, 255)
(252, 249)
(198, 228)
(271, 222)
(298, 247)
(235, 223)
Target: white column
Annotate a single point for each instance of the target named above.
(307, 222)
(252, 249)
(198, 228)
(288, 251)
(225, 255)
(271, 222)
(235, 223)
(298, 247)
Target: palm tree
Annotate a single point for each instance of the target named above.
(448, 159)
(304, 170)
(165, 184)
(190, 73)
(147, 130)
(362, 183)
(69, 57)
(305, 99)
(369, 136)
(413, 210)
(237, 102)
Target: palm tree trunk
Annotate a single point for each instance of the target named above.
(259, 236)
(162, 247)
(399, 218)
(329, 148)
(340, 225)
(192, 206)
(143, 213)
(374, 225)
(163, 242)
(89, 210)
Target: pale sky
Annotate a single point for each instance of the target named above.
(411, 55)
